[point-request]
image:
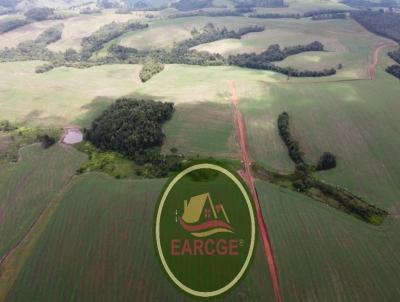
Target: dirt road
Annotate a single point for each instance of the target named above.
(375, 58)
(248, 178)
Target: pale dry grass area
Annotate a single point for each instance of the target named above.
(77, 28)
(24, 33)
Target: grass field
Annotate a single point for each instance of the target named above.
(97, 250)
(82, 26)
(346, 42)
(54, 98)
(205, 129)
(28, 32)
(44, 100)
(28, 186)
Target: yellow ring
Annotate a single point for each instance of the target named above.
(252, 240)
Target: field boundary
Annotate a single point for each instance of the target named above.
(248, 178)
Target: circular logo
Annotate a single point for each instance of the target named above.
(205, 230)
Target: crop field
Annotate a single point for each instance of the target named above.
(94, 250)
(28, 186)
(363, 153)
(95, 242)
(325, 255)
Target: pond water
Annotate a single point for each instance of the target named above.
(73, 136)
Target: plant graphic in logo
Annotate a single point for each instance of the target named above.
(202, 218)
(205, 230)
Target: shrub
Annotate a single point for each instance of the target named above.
(149, 69)
(44, 68)
(39, 13)
(6, 126)
(327, 161)
(46, 141)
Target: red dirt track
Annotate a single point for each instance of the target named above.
(375, 58)
(248, 178)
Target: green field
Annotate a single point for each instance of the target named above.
(97, 250)
(205, 129)
(325, 255)
(27, 187)
(356, 120)
(95, 240)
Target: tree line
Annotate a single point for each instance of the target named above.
(31, 15)
(188, 5)
(105, 34)
(330, 16)
(276, 16)
(11, 24)
(273, 54)
(394, 70)
(326, 161)
(210, 33)
(303, 181)
(320, 14)
(395, 55)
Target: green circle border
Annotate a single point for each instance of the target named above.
(159, 206)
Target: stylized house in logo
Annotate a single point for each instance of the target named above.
(202, 218)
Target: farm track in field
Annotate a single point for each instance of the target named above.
(248, 178)
(375, 58)
(13, 260)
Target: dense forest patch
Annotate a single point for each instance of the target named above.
(386, 24)
(363, 4)
(133, 128)
(304, 181)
